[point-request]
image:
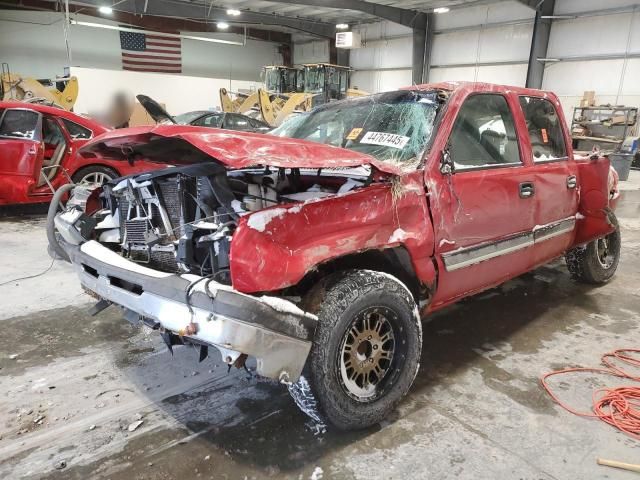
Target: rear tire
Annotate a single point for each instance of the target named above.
(94, 174)
(596, 262)
(366, 351)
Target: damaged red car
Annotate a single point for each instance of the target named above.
(319, 250)
(38, 153)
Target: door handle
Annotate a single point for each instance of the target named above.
(527, 190)
(572, 181)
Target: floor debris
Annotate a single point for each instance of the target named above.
(134, 426)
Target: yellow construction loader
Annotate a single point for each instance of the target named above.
(14, 86)
(277, 79)
(321, 83)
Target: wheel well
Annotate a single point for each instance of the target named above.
(395, 261)
(96, 165)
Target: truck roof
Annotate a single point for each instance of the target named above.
(453, 86)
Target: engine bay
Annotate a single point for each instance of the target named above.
(182, 219)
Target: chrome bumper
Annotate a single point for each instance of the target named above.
(273, 330)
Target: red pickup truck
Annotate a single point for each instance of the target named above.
(319, 249)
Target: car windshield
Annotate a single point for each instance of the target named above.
(393, 127)
(187, 118)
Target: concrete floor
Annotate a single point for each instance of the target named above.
(71, 385)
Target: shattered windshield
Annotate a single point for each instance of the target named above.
(393, 127)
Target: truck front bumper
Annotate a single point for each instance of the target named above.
(274, 331)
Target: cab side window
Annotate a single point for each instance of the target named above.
(209, 121)
(19, 124)
(77, 132)
(236, 122)
(484, 133)
(545, 130)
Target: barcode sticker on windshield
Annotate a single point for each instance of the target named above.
(385, 139)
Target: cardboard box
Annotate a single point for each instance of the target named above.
(140, 116)
(590, 97)
(619, 119)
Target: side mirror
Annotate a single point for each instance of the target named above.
(447, 167)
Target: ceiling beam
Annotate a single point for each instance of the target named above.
(158, 24)
(206, 13)
(408, 18)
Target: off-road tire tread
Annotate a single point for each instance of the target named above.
(583, 265)
(340, 292)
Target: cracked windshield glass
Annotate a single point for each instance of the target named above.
(392, 127)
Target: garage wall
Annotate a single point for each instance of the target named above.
(178, 93)
(489, 43)
(586, 45)
(309, 51)
(33, 44)
(384, 62)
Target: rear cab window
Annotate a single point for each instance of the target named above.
(484, 134)
(77, 132)
(544, 128)
(19, 124)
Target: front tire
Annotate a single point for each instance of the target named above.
(366, 350)
(596, 262)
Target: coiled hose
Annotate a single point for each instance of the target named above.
(52, 236)
(619, 406)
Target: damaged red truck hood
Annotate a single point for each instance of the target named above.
(183, 144)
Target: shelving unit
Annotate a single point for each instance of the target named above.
(606, 126)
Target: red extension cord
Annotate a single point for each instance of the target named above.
(618, 406)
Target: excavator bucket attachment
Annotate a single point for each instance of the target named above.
(275, 111)
(26, 89)
(225, 101)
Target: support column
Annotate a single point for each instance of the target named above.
(422, 42)
(539, 43)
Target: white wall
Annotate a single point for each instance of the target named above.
(33, 44)
(467, 47)
(385, 61)
(615, 81)
(179, 93)
(314, 51)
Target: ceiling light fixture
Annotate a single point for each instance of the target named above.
(105, 10)
(233, 12)
(222, 25)
(441, 10)
(342, 26)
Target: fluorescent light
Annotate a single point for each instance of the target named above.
(233, 12)
(342, 26)
(441, 10)
(549, 60)
(222, 25)
(105, 10)
(138, 30)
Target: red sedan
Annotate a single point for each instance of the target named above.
(38, 147)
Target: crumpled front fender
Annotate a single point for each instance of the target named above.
(275, 248)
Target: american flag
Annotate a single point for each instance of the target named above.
(145, 52)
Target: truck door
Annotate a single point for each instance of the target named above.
(555, 178)
(484, 210)
(21, 153)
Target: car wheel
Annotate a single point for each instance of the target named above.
(597, 261)
(94, 175)
(366, 350)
